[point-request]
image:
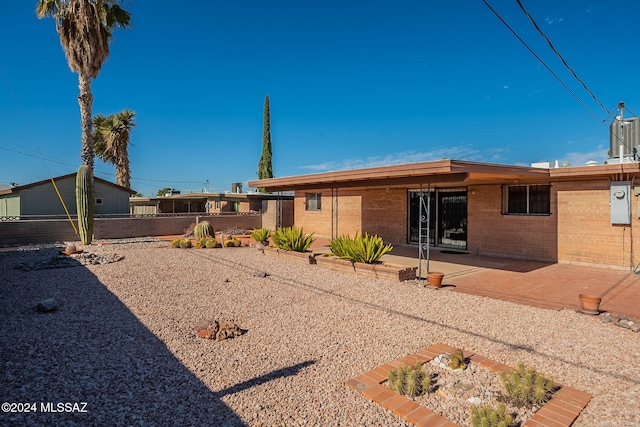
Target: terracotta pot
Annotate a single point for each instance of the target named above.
(590, 304)
(435, 279)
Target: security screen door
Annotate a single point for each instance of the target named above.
(448, 217)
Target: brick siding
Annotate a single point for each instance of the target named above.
(579, 229)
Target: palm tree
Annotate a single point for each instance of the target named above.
(111, 142)
(84, 27)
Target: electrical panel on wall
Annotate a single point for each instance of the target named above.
(620, 202)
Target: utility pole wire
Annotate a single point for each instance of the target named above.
(544, 36)
(540, 59)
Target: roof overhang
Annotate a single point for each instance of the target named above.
(438, 173)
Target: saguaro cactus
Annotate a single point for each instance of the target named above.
(84, 203)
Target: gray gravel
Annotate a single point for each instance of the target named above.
(122, 340)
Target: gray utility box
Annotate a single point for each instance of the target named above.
(620, 201)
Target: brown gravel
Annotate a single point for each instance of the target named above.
(123, 341)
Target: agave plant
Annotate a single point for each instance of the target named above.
(367, 249)
(261, 235)
(292, 239)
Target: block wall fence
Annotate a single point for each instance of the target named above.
(26, 232)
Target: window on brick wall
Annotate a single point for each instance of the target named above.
(313, 201)
(534, 199)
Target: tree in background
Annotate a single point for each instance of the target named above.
(84, 28)
(111, 135)
(165, 191)
(265, 166)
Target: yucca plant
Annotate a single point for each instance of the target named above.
(489, 417)
(527, 386)
(292, 239)
(367, 249)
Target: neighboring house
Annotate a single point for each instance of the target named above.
(586, 214)
(41, 198)
(277, 210)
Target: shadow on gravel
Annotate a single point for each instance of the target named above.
(280, 373)
(92, 354)
(377, 307)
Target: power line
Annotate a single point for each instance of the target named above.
(540, 59)
(535, 24)
(61, 162)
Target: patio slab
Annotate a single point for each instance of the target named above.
(539, 284)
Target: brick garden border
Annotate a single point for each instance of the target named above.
(378, 271)
(561, 411)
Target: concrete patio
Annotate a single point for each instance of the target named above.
(534, 283)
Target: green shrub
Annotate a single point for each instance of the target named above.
(261, 235)
(489, 417)
(526, 386)
(410, 380)
(292, 239)
(203, 229)
(367, 249)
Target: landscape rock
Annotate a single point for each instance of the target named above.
(67, 261)
(606, 318)
(212, 329)
(48, 305)
(474, 400)
(623, 324)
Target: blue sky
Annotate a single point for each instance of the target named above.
(351, 84)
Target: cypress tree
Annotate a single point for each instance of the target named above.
(265, 167)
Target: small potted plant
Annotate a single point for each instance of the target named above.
(590, 304)
(435, 279)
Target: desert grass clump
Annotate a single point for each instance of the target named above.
(489, 417)
(367, 249)
(292, 239)
(526, 386)
(410, 380)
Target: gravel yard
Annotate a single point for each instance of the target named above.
(122, 340)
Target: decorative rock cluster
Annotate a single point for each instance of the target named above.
(73, 260)
(622, 321)
(214, 330)
(48, 305)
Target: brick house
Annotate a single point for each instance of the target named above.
(584, 215)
